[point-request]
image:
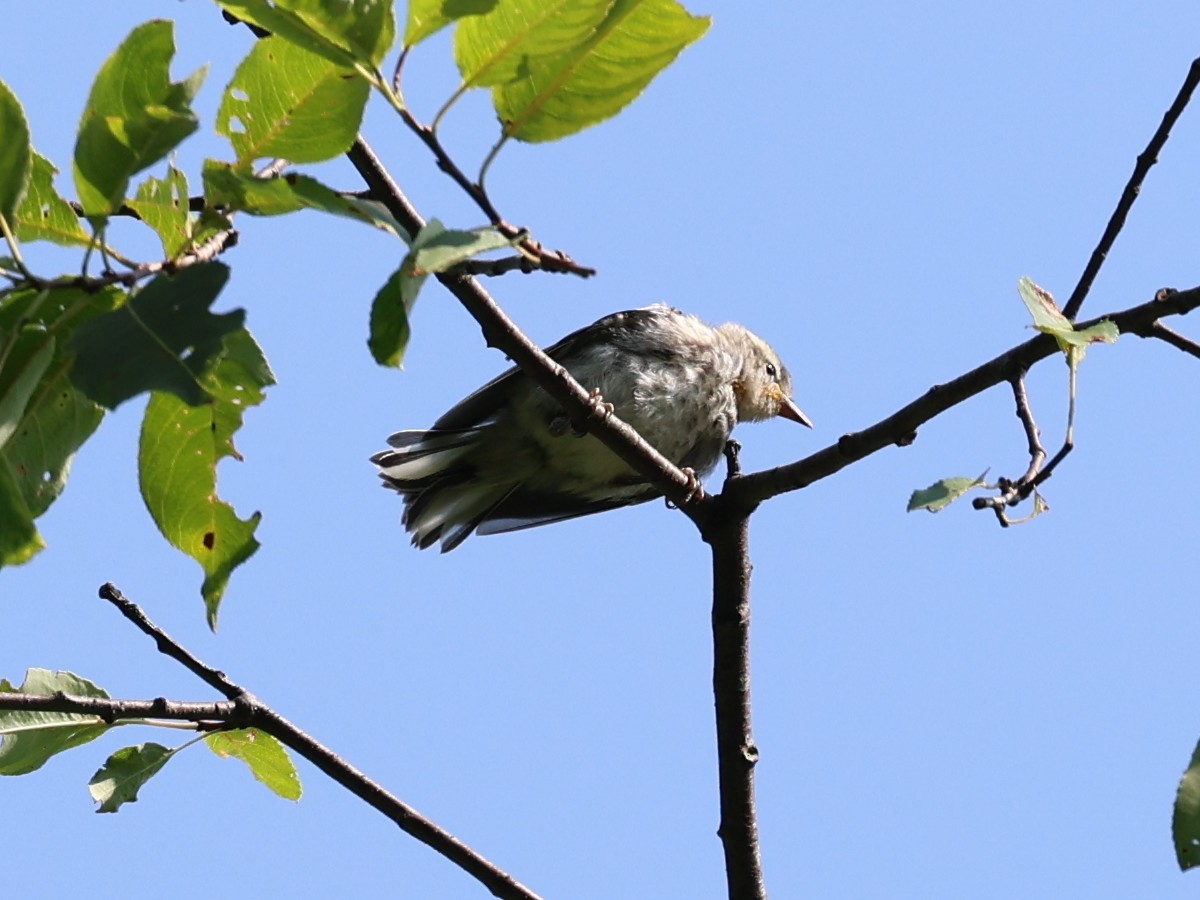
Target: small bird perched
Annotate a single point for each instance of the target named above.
(508, 456)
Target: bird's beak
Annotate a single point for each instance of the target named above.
(789, 410)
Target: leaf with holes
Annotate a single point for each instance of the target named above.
(29, 738)
(228, 187)
(1185, 821)
(162, 204)
(268, 760)
(44, 215)
(178, 453)
(55, 419)
(285, 101)
(134, 117)
(163, 339)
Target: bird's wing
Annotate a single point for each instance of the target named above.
(485, 403)
(518, 512)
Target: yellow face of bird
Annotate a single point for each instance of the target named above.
(764, 389)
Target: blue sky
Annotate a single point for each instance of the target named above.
(944, 709)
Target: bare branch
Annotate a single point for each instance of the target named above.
(901, 426)
(737, 753)
(1145, 160)
(1174, 338)
(249, 711)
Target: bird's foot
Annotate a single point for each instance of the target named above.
(600, 407)
(695, 490)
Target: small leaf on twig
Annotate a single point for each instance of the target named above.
(268, 760)
(942, 493)
(118, 781)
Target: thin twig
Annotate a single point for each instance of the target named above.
(1013, 492)
(259, 715)
(1174, 338)
(1146, 159)
(898, 427)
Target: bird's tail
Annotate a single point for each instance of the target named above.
(443, 498)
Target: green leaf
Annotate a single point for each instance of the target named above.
(426, 17)
(24, 357)
(346, 32)
(285, 101)
(236, 190)
(437, 252)
(1047, 317)
(16, 153)
(134, 117)
(19, 538)
(389, 323)
(942, 493)
(30, 738)
(434, 249)
(118, 781)
(1185, 821)
(57, 418)
(557, 68)
(162, 204)
(178, 454)
(45, 216)
(162, 339)
(268, 760)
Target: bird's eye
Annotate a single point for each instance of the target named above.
(771, 371)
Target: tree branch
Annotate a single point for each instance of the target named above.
(737, 754)
(901, 426)
(1146, 159)
(248, 711)
(501, 332)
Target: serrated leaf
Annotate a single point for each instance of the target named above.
(162, 203)
(29, 738)
(288, 102)
(45, 216)
(161, 340)
(942, 493)
(134, 117)
(557, 68)
(427, 17)
(389, 323)
(118, 781)
(346, 32)
(236, 190)
(16, 153)
(1185, 820)
(267, 758)
(178, 453)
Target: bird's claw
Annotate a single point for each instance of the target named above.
(695, 490)
(600, 407)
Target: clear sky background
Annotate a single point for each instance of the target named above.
(944, 709)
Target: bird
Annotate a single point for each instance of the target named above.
(509, 457)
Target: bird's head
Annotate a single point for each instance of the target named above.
(764, 386)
